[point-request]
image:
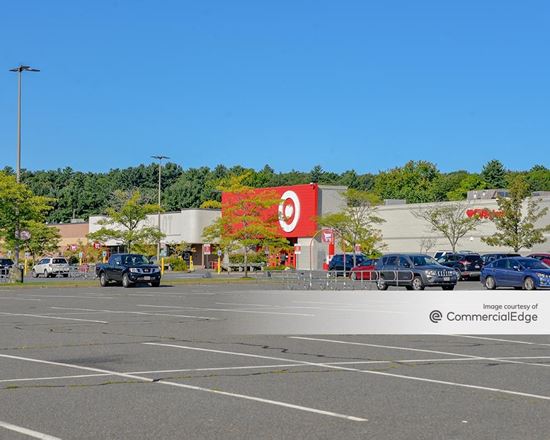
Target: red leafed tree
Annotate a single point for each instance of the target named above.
(249, 219)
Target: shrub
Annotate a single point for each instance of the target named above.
(176, 263)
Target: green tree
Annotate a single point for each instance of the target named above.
(125, 222)
(449, 219)
(494, 174)
(414, 182)
(515, 227)
(357, 222)
(468, 183)
(538, 178)
(44, 239)
(19, 209)
(244, 223)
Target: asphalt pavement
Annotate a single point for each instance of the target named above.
(159, 363)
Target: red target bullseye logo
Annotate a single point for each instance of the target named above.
(289, 211)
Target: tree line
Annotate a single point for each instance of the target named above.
(77, 194)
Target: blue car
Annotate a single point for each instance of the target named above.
(519, 273)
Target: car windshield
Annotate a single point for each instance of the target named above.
(135, 260)
(472, 257)
(533, 264)
(422, 260)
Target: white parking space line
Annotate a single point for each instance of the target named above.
(129, 312)
(70, 296)
(515, 341)
(53, 317)
(259, 367)
(19, 299)
(421, 350)
(248, 304)
(28, 432)
(192, 387)
(35, 379)
(377, 373)
(225, 310)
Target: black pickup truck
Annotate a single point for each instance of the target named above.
(128, 269)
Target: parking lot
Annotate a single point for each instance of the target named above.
(142, 363)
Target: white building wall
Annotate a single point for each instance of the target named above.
(403, 232)
(186, 225)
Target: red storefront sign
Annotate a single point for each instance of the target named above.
(297, 211)
(483, 213)
(297, 249)
(207, 249)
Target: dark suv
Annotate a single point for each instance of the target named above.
(414, 272)
(468, 265)
(337, 262)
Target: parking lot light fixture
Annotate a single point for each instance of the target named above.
(160, 158)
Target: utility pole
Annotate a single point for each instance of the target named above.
(159, 158)
(20, 69)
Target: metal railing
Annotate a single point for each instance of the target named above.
(334, 280)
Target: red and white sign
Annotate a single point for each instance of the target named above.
(483, 213)
(207, 249)
(97, 245)
(73, 247)
(297, 211)
(327, 236)
(297, 249)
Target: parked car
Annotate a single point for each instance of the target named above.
(6, 263)
(51, 267)
(489, 258)
(545, 258)
(365, 270)
(5, 266)
(467, 265)
(414, 271)
(128, 269)
(440, 254)
(337, 262)
(520, 273)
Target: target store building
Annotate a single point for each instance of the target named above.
(297, 213)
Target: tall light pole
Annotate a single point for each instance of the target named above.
(159, 158)
(20, 69)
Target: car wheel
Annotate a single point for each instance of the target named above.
(65, 275)
(46, 274)
(448, 287)
(353, 276)
(529, 284)
(34, 274)
(417, 283)
(103, 281)
(155, 283)
(126, 281)
(490, 283)
(459, 276)
(381, 283)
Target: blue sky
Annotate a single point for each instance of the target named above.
(365, 84)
